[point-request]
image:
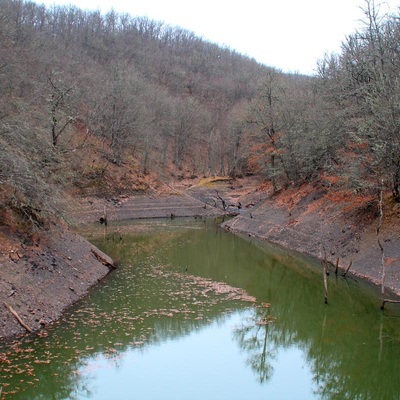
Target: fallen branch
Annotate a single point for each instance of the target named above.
(325, 272)
(337, 266)
(224, 206)
(103, 260)
(19, 319)
(348, 268)
(384, 301)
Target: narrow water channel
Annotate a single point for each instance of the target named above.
(194, 312)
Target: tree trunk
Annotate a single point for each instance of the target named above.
(274, 185)
(383, 267)
(325, 272)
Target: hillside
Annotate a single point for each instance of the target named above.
(98, 104)
(94, 103)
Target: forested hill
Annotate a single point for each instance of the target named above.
(159, 93)
(84, 95)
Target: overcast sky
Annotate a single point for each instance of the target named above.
(287, 34)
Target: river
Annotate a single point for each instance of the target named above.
(195, 312)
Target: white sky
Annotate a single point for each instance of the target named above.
(287, 34)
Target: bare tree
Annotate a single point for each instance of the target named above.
(363, 83)
(60, 107)
(264, 116)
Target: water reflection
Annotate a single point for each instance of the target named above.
(253, 336)
(174, 297)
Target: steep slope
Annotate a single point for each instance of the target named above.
(39, 279)
(340, 227)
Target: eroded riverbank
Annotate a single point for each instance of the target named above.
(42, 279)
(307, 219)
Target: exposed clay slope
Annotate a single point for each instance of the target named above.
(40, 280)
(313, 221)
(88, 210)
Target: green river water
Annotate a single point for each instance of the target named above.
(194, 312)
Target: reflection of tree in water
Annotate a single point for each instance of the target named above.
(337, 374)
(364, 371)
(256, 337)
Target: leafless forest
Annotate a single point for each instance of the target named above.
(154, 99)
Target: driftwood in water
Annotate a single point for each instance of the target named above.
(17, 317)
(384, 301)
(326, 283)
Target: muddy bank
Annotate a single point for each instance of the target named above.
(92, 209)
(312, 222)
(39, 280)
(307, 219)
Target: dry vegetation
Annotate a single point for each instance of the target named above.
(96, 104)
